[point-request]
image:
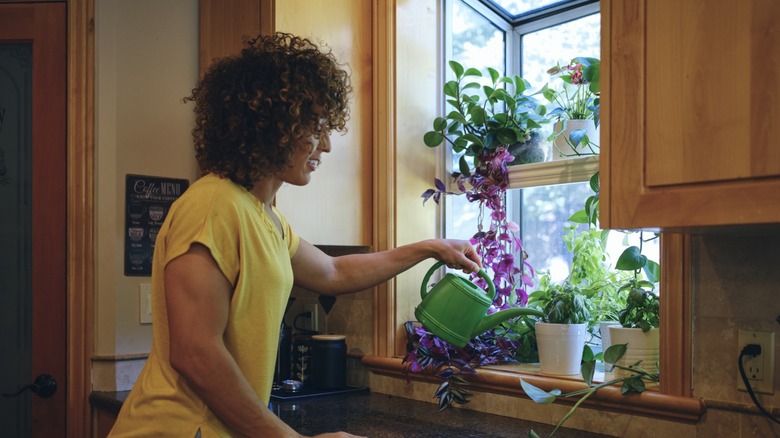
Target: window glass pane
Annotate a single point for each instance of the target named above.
(542, 213)
(476, 42)
(558, 45)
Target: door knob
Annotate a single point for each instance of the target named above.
(44, 386)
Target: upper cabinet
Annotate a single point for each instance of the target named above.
(690, 113)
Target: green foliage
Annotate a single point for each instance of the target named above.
(561, 304)
(642, 306)
(622, 294)
(503, 115)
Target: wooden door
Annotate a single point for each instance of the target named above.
(690, 103)
(32, 223)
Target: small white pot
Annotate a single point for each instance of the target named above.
(639, 346)
(562, 147)
(560, 347)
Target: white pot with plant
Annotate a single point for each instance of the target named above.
(638, 328)
(560, 337)
(576, 108)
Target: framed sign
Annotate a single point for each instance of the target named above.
(147, 201)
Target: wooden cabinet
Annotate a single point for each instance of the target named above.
(690, 113)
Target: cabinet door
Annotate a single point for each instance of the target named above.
(690, 104)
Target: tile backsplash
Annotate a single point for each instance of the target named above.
(351, 315)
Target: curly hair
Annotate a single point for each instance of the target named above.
(252, 110)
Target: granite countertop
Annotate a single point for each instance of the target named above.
(380, 415)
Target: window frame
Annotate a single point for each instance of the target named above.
(395, 83)
(674, 354)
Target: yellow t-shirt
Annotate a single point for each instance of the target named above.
(255, 258)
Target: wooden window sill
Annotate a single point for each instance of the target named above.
(504, 379)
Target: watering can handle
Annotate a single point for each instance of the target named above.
(437, 265)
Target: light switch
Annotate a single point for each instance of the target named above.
(145, 303)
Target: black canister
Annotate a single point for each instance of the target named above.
(301, 358)
(283, 369)
(329, 361)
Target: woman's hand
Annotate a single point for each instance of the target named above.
(458, 254)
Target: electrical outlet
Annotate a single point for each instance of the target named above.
(760, 369)
(312, 323)
(145, 303)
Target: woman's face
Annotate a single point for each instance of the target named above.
(306, 158)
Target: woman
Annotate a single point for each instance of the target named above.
(225, 259)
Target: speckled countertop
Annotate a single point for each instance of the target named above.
(379, 415)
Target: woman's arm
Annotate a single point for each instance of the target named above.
(197, 298)
(319, 272)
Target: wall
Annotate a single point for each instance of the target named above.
(146, 62)
(340, 190)
(735, 287)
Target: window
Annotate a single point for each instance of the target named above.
(527, 38)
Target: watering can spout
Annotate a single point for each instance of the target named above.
(493, 320)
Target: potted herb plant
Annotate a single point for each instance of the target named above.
(638, 327)
(576, 107)
(561, 335)
(480, 128)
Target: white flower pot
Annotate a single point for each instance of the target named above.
(639, 346)
(604, 332)
(563, 148)
(560, 347)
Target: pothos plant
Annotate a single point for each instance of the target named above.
(480, 128)
(634, 382)
(638, 303)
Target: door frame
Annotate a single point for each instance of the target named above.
(80, 212)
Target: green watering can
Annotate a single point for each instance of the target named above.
(455, 309)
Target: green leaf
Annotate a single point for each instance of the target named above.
(631, 259)
(439, 124)
(587, 354)
(493, 74)
(463, 165)
(520, 85)
(539, 395)
(588, 369)
(576, 136)
(614, 353)
(473, 72)
(580, 217)
(477, 115)
(634, 384)
(433, 138)
(471, 85)
(456, 68)
(594, 182)
(473, 139)
(506, 136)
(451, 89)
(458, 117)
(653, 271)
